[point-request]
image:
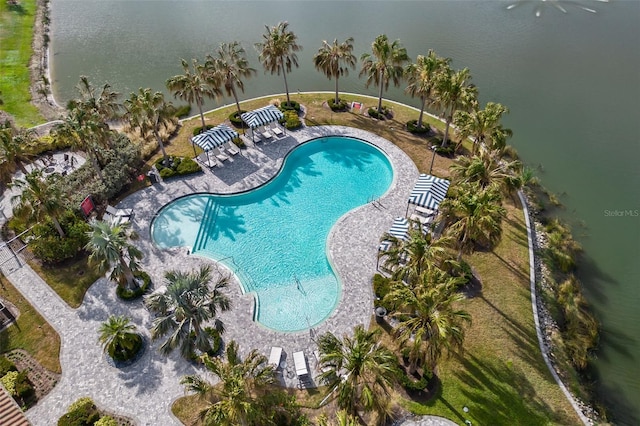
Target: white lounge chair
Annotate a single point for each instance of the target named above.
(276, 131)
(119, 212)
(424, 211)
(219, 155)
(231, 148)
(274, 357)
(300, 363)
(266, 134)
(205, 160)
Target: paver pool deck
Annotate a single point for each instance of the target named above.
(145, 390)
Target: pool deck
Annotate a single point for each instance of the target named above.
(145, 390)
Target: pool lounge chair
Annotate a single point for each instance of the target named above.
(266, 134)
(204, 159)
(119, 212)
(231, 148)
(274, 356)
(300, 363)
(277, 131)
(219, 155)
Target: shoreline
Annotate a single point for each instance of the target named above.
(39, 67)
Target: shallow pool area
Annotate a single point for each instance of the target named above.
(274, 237)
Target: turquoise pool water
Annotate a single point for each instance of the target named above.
(274, 237)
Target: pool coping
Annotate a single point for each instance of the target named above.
(352, 243)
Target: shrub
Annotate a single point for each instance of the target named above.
(411, 385)
(122, 354)
(83, 412)
(23, 386)
(199, 130)
(290, 106)
(9, 382)
(106, 421)
(235, 119)
(128, 294)
(291, 120)
(239, 142)
(381, 287)
(6, 365)
(412, 127)
(337, 107)
(384, 113)
(448, 151)
(178, 166)
(50, 248)
(182, 111)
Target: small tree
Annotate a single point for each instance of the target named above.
(110, 248)
(119, 338)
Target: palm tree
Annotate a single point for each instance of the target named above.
(483, 126)
(422, 77)
(486, 169)
(421, 252)
(277, 51)
(194, 86)
(39, 198)
(238, 399)
(110, 248)
(118, 337)
(429, 325)
(184, 308)
(475, 216)
(360, 369)
(103, 102)
(232, 66)
(14, 148)
(334, 60)
(149, 113)
(384, 64)
(453, 93)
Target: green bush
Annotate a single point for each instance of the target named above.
(23, 386)
(48, 143)
(6, 365)
(188, 166)
(128, 294)
(412, 127)
(83, 412)
(384, 113)
(239, 142)
(291, 120)
(448, 151)
(182, 111)
(198, 129)
(106, 421)
(50, 248)
(235, 119)
(9, 382)
(337, 107)
(409, 384)
(178, 166)
(122, 354)
(290, 106)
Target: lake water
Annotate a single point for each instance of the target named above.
(571, 81)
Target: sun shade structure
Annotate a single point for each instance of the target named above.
(261, 116)
(213, 138)
(400, 228)
(429, 191)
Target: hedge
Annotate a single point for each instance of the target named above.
(178, 166)
(337, 107)
(412, 127)
(290, 106)
(83, 412)
(291, 120)
(199, 130)
(6, 365)
(129, 294)
(235, 119)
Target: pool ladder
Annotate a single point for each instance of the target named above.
(299, 285)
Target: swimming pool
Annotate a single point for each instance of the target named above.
(274, 237)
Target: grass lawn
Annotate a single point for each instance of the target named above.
(501, 377)
(30, 332)
(16, 33)
(70, 280)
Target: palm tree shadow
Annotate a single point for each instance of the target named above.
(520, 272)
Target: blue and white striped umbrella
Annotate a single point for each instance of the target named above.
(261, 116)
(429, 191)
(215, 137)
(400, 228)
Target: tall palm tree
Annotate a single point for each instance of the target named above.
(342, 418)
(429, 325)
(475, 215)
(384, 64)
(194, 86)
(14, 148)
(486, 169)
(358, 368)
(232, 66)
(421, 252)
(237, 400)
(483, 126)
(118, 336)
(110, 248)
(39, 199)
(422, 77)
(334, 60)
(278, 51)
(103, 101)
(453, 93)
(184, 308)
(149, 112)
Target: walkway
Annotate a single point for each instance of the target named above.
(145, 390)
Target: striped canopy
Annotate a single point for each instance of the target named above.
(215, 137)
(429, 191)
(400, 228)
(261, 116)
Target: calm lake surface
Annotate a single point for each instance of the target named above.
(571, 81)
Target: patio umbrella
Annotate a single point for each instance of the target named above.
(214, 138)
(261, 116)
(429, 191)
